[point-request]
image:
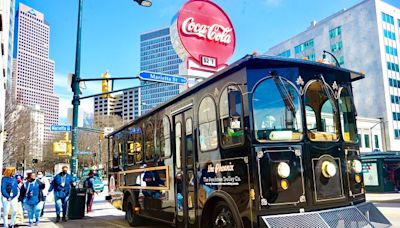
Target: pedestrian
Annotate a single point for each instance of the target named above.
(31, 194)
(20, 211)
(9, 195)
(90, 191)
(61, 185)
(45, 190)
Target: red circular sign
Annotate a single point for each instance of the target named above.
(206, 32)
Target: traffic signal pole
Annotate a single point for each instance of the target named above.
(75, 87)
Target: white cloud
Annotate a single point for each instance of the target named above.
(86, 105)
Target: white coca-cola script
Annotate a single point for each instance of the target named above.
(215, 32)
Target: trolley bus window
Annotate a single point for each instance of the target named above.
(347, 116)
(149, 141)
(274, 119)
(178, 136)
(189, 142)
(208, 125)
(163, 138)
(230, 111)
(318, 99)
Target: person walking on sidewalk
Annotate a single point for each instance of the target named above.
(9, 195)
(45, 190)
(90, 191)
(31, 194)
(61, 185)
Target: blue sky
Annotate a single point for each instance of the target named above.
(111, 29)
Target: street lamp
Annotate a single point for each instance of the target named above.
(333, 56)
(75, 84)
(146, 3)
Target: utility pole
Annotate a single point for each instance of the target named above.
(75, 87)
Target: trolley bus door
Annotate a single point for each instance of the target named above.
(184, 168)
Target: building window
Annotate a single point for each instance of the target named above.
(391, 50)
(207, 125)
(366, 141)
(392, 66)
(376, 140)
(389, 34)
(335, 32)
(359, 140)
(397, 133)
(387, 18)
(285, 54)
(304, 46)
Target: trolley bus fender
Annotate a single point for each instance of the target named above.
(129, 194)
(215, 197)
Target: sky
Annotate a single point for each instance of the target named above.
(111, 33)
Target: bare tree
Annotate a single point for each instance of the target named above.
(18, 127)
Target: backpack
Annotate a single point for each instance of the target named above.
(86, 183)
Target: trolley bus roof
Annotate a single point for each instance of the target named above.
(248, 60)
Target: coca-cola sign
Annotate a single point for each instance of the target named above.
(215, 32)
(202, 31)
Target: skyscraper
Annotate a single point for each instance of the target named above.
(365, 38)
(126, 105)
(33, 75)
(157, 55)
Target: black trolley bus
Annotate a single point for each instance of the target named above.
(267, 142)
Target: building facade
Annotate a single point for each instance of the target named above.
(7, 8)
(126, 105)
(364, 38)
(33, 74)
(37, 130)
(157, 55)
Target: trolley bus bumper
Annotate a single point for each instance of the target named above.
(360, 215)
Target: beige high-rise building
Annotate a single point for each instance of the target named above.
(33, 75)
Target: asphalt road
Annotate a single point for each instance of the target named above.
(105, 215)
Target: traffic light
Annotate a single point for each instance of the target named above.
(34, 161)
(105, 85)
(102, 135)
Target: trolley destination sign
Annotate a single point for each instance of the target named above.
(166, 78)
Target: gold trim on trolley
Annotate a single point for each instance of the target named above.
(142, 170)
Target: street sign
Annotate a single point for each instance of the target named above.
(108, 130)
(60, 128)
(85, 153)
(166, 78)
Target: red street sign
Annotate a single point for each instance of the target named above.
(205, 33)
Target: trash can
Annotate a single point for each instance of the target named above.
(76, 207)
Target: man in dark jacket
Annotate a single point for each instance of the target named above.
(61, 185)
(31, 194)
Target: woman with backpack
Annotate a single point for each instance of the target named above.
(31, 194)
(9, 195)
(90, 191)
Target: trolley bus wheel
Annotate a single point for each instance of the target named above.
(132, 218)
(223, 217)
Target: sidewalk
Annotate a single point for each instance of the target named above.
(383, 197)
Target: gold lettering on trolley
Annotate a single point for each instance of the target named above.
(219, 168)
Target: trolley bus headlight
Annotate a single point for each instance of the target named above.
(283, 170)
(328, 169)
(357, 166)
(357, 178)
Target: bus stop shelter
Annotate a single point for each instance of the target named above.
(381, 171)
